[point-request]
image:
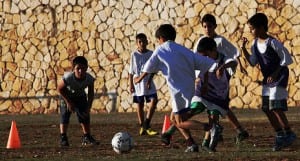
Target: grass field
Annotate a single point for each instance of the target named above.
(39, 135)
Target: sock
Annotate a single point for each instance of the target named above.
(190, 141)
(205, 142)
(171, 130)
(146, 124)
(279, 132)
(239, 129)
(86, 135)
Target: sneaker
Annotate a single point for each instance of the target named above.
(279, 142)
(142, 131)
(290, 138)
(205, 146)
(166, 138)
(215, 133)
(192, 148)
(89, 140)
(64, 141)
(241, 136)
(151, 132)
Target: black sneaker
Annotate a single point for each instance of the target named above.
(241, 136)
(205, 146)
(64, 141)
(89, 140)
(166, 138)
(279, 142)
(215, 133)
(192, 148)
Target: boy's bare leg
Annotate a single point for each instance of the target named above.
(273, 120)
(180, 124)
(233, 119)
(282, 119)
(85, 128)
(152, 108)
(140, 113)
(63, 128)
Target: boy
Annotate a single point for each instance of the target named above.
(178, 65)
(273, 59)
(72, 90)
(231, 52)
(144, 90)
(212, 90)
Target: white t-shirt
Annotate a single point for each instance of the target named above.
(178, 65)
(224, 47)
(75, 87)
(137, 62)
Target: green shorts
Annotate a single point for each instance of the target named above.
(199, 107)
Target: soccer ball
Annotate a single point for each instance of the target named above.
(122, 142)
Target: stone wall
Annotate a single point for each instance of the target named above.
(38, 38)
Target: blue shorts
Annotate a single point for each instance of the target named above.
(142, 99)
(81, 110)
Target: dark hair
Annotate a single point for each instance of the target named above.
(79, 60)
(259, 20)
(140, 36)
(166, 31)
(209, 18)
(206, 44)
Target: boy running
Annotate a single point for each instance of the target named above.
(178, 65)
(72, 90)
(145, 90)
(273, 59)
(232, 54)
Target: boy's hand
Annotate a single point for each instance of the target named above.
(131, 88)
(273, 77)
(244, 42)
(136, 80)
(148, 85)
(70, 106)
(219, 72)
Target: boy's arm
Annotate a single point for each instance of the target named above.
(140, 78)
(150, 80)
(131, 85)
(220, 70)
(61, 88)
(91, 95)
(244, 50)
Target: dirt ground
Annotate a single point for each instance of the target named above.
(39, 135)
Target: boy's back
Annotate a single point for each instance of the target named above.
(178, 65)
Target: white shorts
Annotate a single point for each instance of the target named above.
(209, 105)
(275, 93)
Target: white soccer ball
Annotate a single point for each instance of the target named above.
(122, 142)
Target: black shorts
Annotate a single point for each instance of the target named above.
(142, 99)
(81, 110)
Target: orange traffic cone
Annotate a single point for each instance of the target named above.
(13, 139)
(166, 124)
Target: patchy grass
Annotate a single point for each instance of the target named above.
(39, 136)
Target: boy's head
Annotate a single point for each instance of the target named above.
(141, 42)
(165, 32)
(258, 24)
(80, 65)
(207, 47)
(209, 25)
